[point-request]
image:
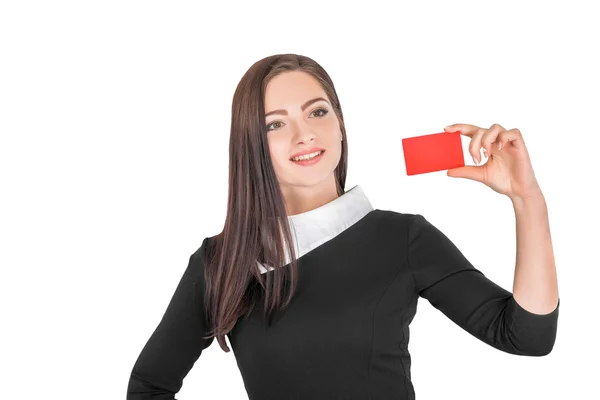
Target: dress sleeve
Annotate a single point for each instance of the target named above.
(177, 341)
(444, 276)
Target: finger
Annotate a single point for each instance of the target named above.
(465, 129)
(475, 145)
(489, 137)
(468, 172)
(513, 137)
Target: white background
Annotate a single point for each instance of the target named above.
(114, 123)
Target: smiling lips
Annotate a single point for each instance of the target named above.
(310, 161)
(307, 151)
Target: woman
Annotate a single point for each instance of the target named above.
(331, 321)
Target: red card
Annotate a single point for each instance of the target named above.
(434, 152)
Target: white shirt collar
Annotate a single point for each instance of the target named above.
(312, 228)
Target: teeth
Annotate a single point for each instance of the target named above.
(307, 156)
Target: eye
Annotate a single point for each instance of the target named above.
(321, 109)
(272, 123)
(325, 112)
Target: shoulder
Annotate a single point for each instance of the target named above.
(412, 225)
(206, 254)
(199, 260)
(204, 249)
(396, 218)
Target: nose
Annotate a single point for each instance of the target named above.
(304, 132)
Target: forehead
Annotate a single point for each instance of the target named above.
(291, 89)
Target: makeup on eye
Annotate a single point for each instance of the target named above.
(325, 112)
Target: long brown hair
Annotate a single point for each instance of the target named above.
(256, 213)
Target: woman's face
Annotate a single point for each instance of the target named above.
(294, 130)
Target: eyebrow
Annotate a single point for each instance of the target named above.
(308, 103)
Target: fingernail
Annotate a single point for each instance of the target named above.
(485, 152)
(475, 160)
(500, 146)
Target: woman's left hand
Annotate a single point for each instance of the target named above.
(508, 169)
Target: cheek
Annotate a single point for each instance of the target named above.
(333, 124)
(278, 153)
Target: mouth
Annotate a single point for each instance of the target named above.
(309, 161)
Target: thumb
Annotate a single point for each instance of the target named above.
(467, 172)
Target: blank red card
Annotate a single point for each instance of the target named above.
(434, 152)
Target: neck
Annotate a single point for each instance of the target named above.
(300, 199)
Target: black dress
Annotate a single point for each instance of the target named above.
(346, 333)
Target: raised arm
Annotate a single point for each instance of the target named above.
(444, 276)
(177, 341)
